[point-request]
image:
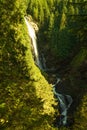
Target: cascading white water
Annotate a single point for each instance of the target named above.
(61, 98)
(63, 104)
(32, 35)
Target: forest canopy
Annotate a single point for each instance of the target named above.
(27, 101)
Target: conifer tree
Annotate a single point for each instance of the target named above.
(51, 24)
(35, 13)
(26, 99)
(63, 21)
(71, 10)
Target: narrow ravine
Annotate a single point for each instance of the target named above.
(64, 100)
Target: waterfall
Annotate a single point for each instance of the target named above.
(65, 101)
(32, 35)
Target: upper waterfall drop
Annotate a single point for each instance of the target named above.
(32, 35)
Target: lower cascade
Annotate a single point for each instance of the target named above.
(65, 101)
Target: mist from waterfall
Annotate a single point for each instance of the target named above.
(32, 35)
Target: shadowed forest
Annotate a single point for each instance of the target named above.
(27, 100)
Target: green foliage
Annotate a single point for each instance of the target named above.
(79, 58)
(39, 10)
(55, 24)
(72, 10)
(81, 115)
(64, 44)
(26, 98)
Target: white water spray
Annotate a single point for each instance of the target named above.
(32, 35)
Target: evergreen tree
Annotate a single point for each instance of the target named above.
(26, 99)
(51, 25)
(71, 10)
(35, 13)
(63, 21)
